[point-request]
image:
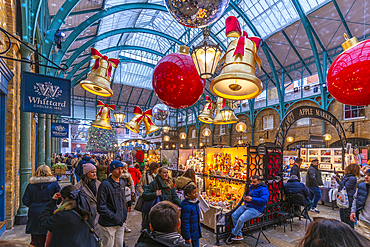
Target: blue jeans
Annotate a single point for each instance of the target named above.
(242, 215)
(315, 195)
(194, 243)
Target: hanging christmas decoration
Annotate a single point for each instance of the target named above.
(237, 79)
(101, 140)
(176, 81)
(206, 116)
(103, 117)
(98, 80)
(348, 79)
(219, 117)
(139, 117)
(196, 14)
(161, 112)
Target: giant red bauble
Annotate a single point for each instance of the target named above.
(176, 81)
(348, 78)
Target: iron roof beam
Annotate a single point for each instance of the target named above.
(342, 18)
(82, 12)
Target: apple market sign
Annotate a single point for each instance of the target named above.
(46, 94)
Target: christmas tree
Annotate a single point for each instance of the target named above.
(101, 140)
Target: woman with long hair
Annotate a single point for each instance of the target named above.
(90, 185)
(332, 233)
(185, 179)
(161, 186)
(349, 181)
(73, 222)
(43, 185)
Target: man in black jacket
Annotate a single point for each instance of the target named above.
(313, 181)
(294, 187)
(111, 205)
(296, 168)
(164, 221)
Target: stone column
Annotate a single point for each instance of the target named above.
(25, 148)
(41, 139)
(48, 140)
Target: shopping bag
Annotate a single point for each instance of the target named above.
(139, 204)
(342, 198)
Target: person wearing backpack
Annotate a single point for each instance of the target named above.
(349, 182)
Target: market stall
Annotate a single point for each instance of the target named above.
(169, 158)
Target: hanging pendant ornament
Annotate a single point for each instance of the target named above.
(221, 104)
(98, 80)
(160, 112)
(237, 79)
(176, 81)
(348, 78)
(206, 116)
(196, 14)
(103, 117)
(139, 117)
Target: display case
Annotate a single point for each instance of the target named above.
(171, 158)
(191, 158)
(330, 159)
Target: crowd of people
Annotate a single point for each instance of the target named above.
(95, 210)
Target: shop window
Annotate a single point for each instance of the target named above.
(193, 134)
(268, 122)
(222, 129)
(303, 122)
(351, 112)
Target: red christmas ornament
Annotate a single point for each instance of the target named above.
(176, 80)
(348, 78)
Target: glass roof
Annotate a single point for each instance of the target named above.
(267, 16)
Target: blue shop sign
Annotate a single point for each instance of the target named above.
(46, 94)
(59, 130)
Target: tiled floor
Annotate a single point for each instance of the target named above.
(276, 236)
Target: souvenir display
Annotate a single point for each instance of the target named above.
(172, 158)
(154, 156)
(191, 158)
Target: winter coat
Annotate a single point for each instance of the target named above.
(349, 181)
(181, 182)
(169, 193)
(101, 172)
(145, 179)
(135, 174)
(361, 197)
(313, 178)
(85, 160)
(112, 203)
(38, 194)
(293, 186)
(190, 220)
(295, 170)
(92, 198)
(156, 239)
(67, 228)
(129, 182)
(260, 197)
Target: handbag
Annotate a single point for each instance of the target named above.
(342, 198)
(92, 230)
(147, 205)
(140, 200)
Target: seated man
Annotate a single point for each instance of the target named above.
(164, 221)
(254, 204)
(293, 187)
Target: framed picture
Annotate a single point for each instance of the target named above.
(304, 159)
(325, 152)
(313, 152)
(325, 159)
(338, 160)
(310, 158)
(325, 166)
(337, 152)
(337, 167)
(303, 152)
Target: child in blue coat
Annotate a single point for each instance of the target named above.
(190, 217)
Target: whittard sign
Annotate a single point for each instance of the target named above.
(46, 94)
(59, 130)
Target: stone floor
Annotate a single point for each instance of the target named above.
(276, 236)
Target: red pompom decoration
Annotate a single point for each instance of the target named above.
(176, 81)
(348, 78)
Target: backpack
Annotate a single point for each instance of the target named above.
(342, 198)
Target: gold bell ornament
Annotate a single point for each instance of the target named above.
(208, 110)
(139, 117)
(221, 103)
(103, 117)
(237, 79)
(98, 80)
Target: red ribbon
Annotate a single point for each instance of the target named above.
(95, 54)
(223, 103)
(240, 46)
(146, 114)
(110, 107)
(208, 99)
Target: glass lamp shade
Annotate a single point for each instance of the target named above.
(262, 140)
(226, 113)
(241, 127)
(133, 143)
(240, 142)
(166, 138)
(115, 145)
(119, 116)
(127, 144)
(166, 128)
(122, 144)
(173, 146)
(139, 142)
(206, 132)
(327, 137)
(182, 135)
(190, 145)
(181, 145)
(290, 139)
(201, 144)
(206, 56)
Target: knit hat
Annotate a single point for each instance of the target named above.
(115, 164)
(88, 167)
(368, 171)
